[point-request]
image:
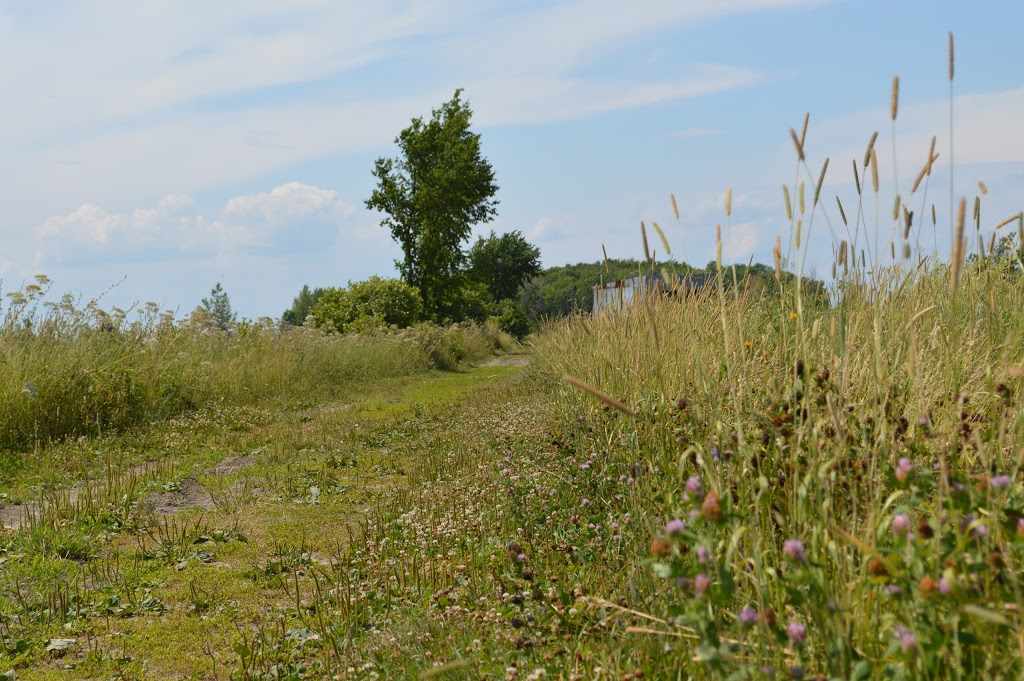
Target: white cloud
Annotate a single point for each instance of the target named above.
(289, 201)
(988, 129)
(264, 222)
(105, 89)
(540, 229)
(740, 241)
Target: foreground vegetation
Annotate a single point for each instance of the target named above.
(758, 488)
(68, 369)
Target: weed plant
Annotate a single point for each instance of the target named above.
(68, 369)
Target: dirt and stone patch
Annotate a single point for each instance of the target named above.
(233, 464)
(189, 494)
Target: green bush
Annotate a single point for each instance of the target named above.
(511, 318)
(365, 304)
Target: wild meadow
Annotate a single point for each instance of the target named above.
(743, 482)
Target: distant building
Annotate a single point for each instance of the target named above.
(616, 295)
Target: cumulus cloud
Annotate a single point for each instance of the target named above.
(540, 229)
(288, 202)
(289, 219)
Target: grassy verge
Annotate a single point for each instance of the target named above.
(69, 370)
(166, 570)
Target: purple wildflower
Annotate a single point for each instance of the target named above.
(702, 554)
(522, 557)
(715, 453)
(794, 549)
(893, 589)
(694, 487)
(796, 672)
(700, 584)
(629, 482)
(905, 636)
(945, 588)
(796, 632)
(747, 616)
(903, 468)
(1000, 481)
(675, 526)
(978, 531)
(585, 502)
(901, 525)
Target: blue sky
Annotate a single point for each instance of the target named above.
(177, 144)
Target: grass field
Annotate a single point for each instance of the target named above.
(735, 483)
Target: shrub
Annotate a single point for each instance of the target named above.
(373, 302)
(511, 318)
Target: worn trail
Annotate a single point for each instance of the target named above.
(153, 570)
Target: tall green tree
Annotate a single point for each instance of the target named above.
(431, 195)
(503, 263)
(219, 307)
(301, 305)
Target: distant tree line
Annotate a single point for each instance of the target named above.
(487, 288)
(567, 289)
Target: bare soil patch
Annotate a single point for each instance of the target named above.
(190, 494)
(508, 361)
(232, 464)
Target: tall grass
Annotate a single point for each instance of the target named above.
(68, 369)
(837, 487)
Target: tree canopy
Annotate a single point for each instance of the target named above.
(301, 305)
(431, 195)
(503, 263)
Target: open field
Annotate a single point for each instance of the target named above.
(768, 477)
(774, 502)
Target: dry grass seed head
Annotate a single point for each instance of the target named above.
(871, 147)
(895, 104)
(821, 181)
(951, 55)
(796, 143)
(958, 245)
(874, 170)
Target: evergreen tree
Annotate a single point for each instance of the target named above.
(302, 305)
(219, 307)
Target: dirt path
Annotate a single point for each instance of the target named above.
(509, 360)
